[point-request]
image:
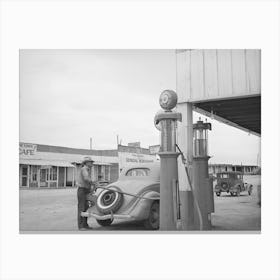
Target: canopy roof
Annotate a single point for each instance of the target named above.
(243, 113)
(45, 162)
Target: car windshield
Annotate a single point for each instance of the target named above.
(138, 172)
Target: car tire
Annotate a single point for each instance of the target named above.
(218, 193)
(104, 223)
(224, 187)
(109, 200)
(152, 223)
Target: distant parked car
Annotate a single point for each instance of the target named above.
(135, 197)
(232, 182)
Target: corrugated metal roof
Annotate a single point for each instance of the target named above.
(55, 162)
(94, 163)
(45, 162)
(67, 150)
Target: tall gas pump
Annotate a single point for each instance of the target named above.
(166, 122)
(202, 184)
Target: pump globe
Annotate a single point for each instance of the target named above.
(168, 99)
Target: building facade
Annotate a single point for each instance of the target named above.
(245, 169)
(45, 166)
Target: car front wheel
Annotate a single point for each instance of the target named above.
(153, 220)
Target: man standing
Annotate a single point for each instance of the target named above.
(84, 187)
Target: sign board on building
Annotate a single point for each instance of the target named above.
(154, 149)
(126, 158)
(134, 144)
(132, 155)
(27, 149)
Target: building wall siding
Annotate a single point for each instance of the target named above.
(214, 74)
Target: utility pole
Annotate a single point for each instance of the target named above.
(90, 144)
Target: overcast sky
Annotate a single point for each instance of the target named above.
(66, 97)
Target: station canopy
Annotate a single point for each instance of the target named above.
(243, 113)
(222, 84)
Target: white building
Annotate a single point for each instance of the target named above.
(44, 166)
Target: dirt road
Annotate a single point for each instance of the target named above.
(55, 210)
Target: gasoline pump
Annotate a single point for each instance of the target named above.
(203, 185)
(200, 185)
(166, 122)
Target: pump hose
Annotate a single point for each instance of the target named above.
(126, 193)
(190, 184)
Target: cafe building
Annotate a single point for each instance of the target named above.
(45, 166)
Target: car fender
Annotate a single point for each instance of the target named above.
(141, 209)
(235, 187)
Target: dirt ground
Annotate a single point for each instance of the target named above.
(238, 213)
(55, 210)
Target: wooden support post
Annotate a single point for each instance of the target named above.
(49, 177)
(184, 128)
(57, 175)
(28, 175)
(64, 183)
(185, 142)
(38, 176)
(185, 132)
(73, 177)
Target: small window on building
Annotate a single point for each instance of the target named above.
(33, 173)
(136, 172)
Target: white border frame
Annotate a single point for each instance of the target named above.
(155, 24)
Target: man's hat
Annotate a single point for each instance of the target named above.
(87, 159)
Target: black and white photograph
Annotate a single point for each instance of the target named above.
(139, 140)
(125, 140)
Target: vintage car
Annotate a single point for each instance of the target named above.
(231, 182)
(135, 197)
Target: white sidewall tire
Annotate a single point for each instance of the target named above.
(113, 206)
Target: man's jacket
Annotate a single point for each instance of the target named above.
(84, 178)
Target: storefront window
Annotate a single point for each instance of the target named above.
(24, 171)
(107, 172)
(53, 173)
(33, 171)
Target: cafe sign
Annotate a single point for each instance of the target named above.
(27, 149)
